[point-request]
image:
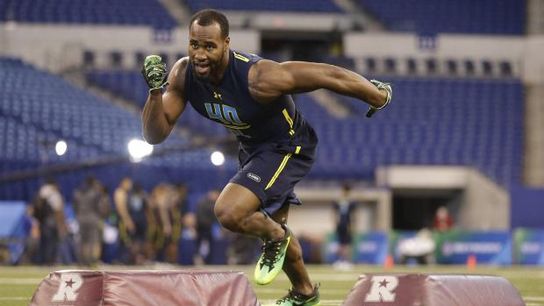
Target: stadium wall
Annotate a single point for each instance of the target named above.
(524, 53)
(485, 205)
(442, 45)
(58, 47)
(533, 60)
(289, 21)
(373, 211)
(534, 136)
(527, 207)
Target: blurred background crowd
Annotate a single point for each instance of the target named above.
(130, 226)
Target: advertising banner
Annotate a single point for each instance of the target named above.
(529, 246)
(492, 247)
(370, 248)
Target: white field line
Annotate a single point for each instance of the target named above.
(331, 277)
(355, 277)
(284, 291)
(534, 298)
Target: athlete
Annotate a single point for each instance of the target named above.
(251, 97)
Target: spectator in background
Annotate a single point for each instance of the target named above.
(110, 233)
(89, 215)
(184, 220)
(343, 209)
(188, 219)
(442, 220)
(105, 201)
(205, 219)
(160, 227)
(135, 214)
(49, 211)
(168, 206)
(32, 241)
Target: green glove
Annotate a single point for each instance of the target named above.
(154, 72)
(380, 86)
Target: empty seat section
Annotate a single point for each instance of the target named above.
(119, 12)
(131, 86)
(46, 108)
(460, 16)
(476, 123)
(323, 6)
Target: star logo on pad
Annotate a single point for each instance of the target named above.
(69, 283)
(384, 283)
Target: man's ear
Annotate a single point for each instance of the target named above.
(227, 42)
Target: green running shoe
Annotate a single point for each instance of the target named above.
(296, 299)
(271, 261)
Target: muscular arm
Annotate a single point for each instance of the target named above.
(269, 80)
(162, 110)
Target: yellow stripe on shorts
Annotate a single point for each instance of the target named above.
(280, 169)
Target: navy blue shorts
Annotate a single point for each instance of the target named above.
(272, 171)
(343, 234)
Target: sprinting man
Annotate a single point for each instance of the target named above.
(251, 97)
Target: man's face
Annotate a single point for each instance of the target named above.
(207, 49)
(127, 184)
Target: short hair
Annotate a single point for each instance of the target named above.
(208, 16)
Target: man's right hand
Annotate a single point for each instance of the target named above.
(154, 72)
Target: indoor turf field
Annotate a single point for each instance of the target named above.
(17, 284)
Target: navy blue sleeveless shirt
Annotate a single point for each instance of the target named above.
(254, 124)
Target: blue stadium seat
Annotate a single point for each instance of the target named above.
(119, 12)
(130, 85)
(461, 16)
(324, 6)
(431, 122)
(37, 109)
(476, 123)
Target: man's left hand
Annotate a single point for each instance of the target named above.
(382, 87)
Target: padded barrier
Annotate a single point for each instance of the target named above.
(137, 288)
(432, 290)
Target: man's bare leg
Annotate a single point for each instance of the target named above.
(294, 264)
(238, 210)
